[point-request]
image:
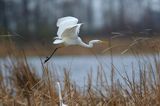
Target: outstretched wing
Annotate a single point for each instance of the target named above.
(65, 23)
(71, 32)
(58, 41)
(68, 20)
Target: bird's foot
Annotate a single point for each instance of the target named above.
(47, 58)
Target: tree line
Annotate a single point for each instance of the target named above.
(37, 18)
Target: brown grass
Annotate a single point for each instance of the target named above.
(21, 86)
(118, 45)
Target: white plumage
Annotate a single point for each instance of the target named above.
(65, 23)
(60, 95)
(68, 30)
(69, 19)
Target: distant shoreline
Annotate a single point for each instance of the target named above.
(118, 45)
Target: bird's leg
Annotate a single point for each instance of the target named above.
(47, 58)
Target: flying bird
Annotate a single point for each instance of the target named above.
(68, 31)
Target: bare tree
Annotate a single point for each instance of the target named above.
(3, 19)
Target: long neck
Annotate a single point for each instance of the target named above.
(89, 45)
(60, 95)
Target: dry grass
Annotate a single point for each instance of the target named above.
(21, 86)
(45, 48)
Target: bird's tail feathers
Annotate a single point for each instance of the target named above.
(57, 38)
(58, 41)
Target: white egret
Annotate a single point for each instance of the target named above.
(68, 30)
(60, 95)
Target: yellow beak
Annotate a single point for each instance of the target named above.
(103, 42)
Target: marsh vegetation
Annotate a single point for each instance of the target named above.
(138, 85)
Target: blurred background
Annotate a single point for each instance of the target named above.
(125, 70)
(36, 19)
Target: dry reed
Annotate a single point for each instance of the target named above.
(21, 86)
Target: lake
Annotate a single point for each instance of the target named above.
(80, 66)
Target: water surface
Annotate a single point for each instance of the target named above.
(80, 66)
